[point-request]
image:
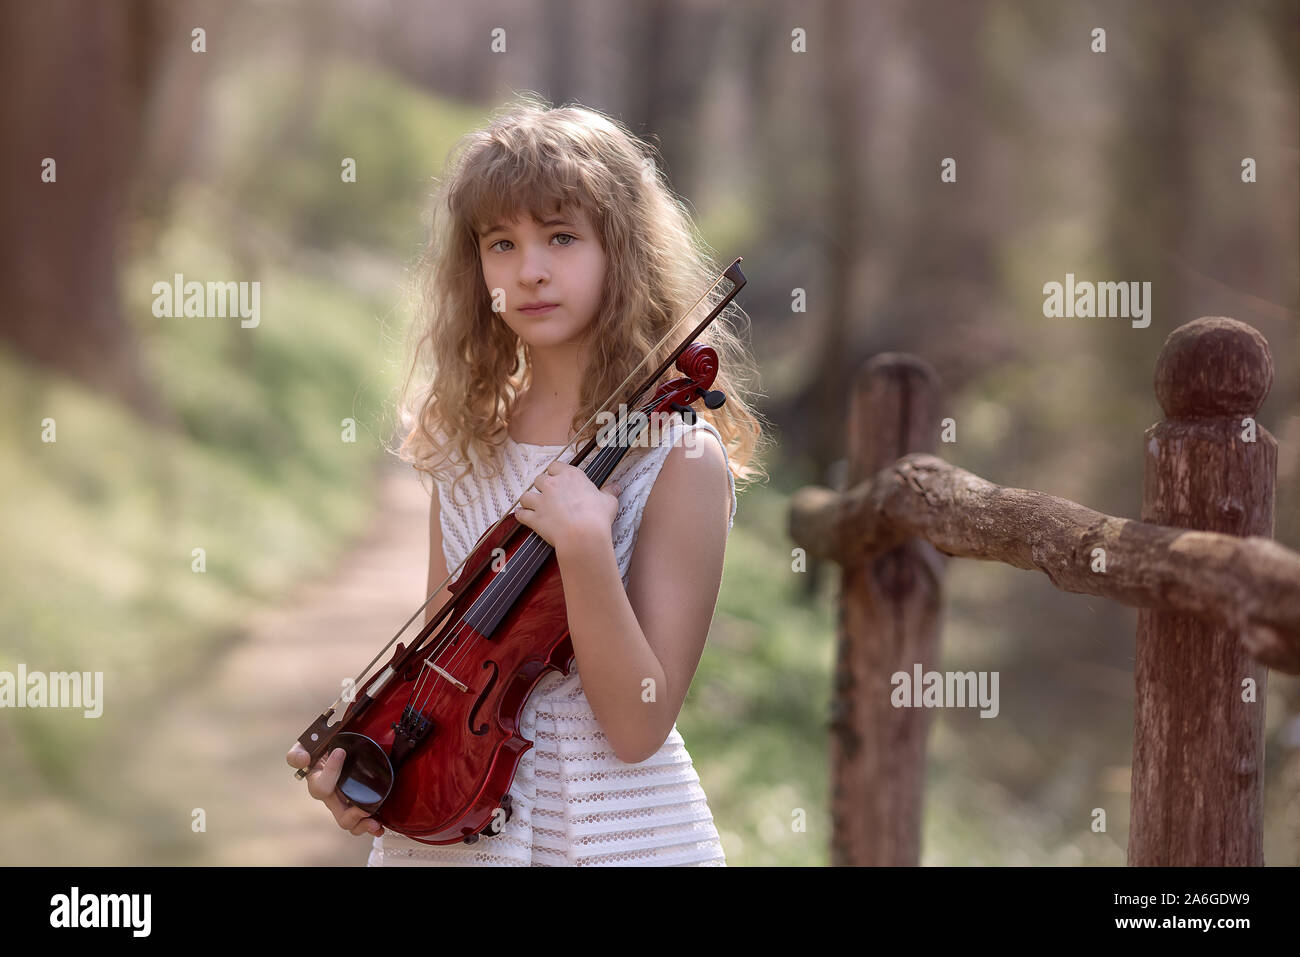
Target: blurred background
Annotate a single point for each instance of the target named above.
(820, 164)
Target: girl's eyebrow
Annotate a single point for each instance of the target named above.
(550, 222)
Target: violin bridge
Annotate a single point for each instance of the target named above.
(430, 664)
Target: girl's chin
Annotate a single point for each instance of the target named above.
(547, 338)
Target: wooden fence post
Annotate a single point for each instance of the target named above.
(1198, 751)
(889, 613)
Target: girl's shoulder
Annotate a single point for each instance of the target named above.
(659, 443)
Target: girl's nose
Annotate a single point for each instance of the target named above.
(534, 266)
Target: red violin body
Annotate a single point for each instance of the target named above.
(472, 751)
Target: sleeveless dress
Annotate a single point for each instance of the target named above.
(574, 802)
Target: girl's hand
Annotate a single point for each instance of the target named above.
(566, 509)
(321, 784)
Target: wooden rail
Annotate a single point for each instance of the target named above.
(1219, 600)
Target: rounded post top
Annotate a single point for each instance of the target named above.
(1213, 366)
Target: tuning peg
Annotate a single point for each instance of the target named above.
(714, 399)
(688, 414)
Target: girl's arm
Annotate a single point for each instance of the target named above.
(638, 649)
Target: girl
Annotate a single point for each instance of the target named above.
(558, 259)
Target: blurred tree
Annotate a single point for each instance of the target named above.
(670, 47)
(561, 29)
(76, 76)
(934, 289)
(175, 111)
(1282, 19)
(1152, 160)
(846, 216)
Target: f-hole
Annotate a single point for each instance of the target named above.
(481, 698)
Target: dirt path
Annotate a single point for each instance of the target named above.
(222, 746)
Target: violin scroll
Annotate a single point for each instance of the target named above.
(700, 365)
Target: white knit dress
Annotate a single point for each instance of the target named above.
(574, 802)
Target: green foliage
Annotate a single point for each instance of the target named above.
(755, 718)
(104, 521)
(398, 137)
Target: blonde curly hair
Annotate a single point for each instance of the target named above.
(468, 367)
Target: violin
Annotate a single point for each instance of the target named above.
(432, 739)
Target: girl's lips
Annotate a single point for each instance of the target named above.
(538, 310)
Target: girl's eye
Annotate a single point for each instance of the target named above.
(573, 238)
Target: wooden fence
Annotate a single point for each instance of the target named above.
(1219, 600)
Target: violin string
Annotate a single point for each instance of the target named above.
(645, 410)
(536, 544)
(524, 554)
(435, 653)
(533, 547)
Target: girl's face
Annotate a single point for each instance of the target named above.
(559, 262)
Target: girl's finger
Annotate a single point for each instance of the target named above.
(337, 808)
(349, 818)
(325, 778)
(364, 824)
(297, 756)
